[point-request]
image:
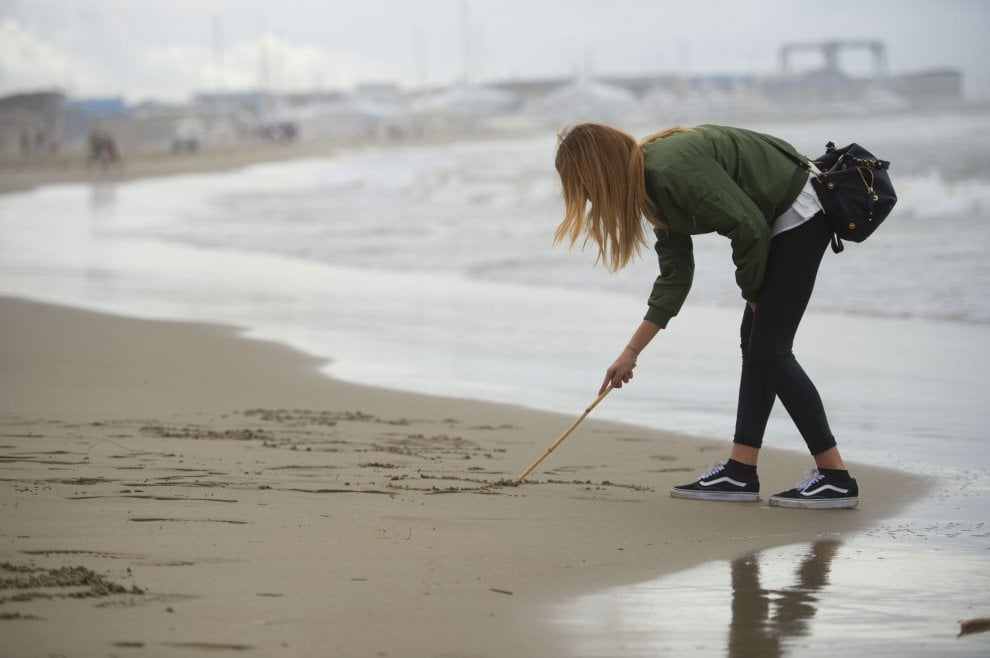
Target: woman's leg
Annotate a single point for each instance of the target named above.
(756, 398)
(769, 369)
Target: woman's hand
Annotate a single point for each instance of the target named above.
(620, 372)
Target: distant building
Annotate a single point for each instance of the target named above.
(939, 87)
(830, 84)
(32, 124)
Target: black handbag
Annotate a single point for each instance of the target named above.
(854, 189)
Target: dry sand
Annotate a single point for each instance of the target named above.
(20, 173)
(170, 489)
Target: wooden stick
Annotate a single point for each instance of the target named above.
(560, 439)
(978, 625)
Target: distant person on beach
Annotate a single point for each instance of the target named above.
(730, 181)
(102, 149)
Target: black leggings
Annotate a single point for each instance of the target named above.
(769, 369)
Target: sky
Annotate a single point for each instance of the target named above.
(170, 49)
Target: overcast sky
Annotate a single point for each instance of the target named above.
(168, 49)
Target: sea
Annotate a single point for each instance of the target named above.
(431, 267)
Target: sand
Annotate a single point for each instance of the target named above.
(18, 173)
(170, 488)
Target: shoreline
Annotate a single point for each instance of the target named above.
(229, 480)
(18, 174)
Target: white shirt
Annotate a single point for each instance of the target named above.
(805, 206)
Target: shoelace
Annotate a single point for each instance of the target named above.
(810, 477)
(715, 468)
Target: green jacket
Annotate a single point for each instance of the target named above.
(715, 179)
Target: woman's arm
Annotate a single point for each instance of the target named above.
(621, 371)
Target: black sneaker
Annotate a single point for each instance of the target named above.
(719, 484)
(818, 491)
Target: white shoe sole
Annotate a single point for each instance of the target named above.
(817, 503)
(742, 497)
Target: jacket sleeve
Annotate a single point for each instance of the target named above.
(716, 201)
(676, 255)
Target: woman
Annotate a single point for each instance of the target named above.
(734, 182)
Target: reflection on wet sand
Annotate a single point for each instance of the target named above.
(764, 619)
(102, 196)
(912, 589)
(761, 604)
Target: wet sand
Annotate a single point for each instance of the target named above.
(167, 486)
(913, 587)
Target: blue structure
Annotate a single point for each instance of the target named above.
(81, 114)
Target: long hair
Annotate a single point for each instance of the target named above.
(602, 166)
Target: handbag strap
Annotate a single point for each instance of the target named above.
(837, 245)
(801, 163)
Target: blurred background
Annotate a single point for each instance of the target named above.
(115, 78)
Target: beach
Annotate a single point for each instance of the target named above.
(229, 496)
(271, 404)
(22, 173)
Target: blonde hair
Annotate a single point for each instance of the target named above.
(602, 166)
